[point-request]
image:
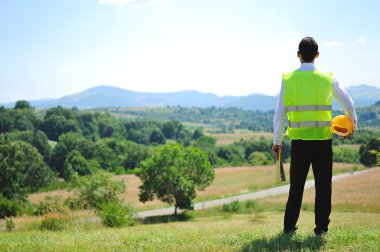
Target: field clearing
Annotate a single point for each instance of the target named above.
(228, 181)
(350, 146)
(357, 193)
(229, 138)
(351, 229)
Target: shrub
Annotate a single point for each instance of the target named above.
(74, 203)
(342, 154)
(116, 214)
(9, 207)
(51, 205)
(9, 224)
(233, 207)
(97, 189)
(184, 216)
(53, 222)
(260, 158)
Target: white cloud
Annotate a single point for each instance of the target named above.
(131, 3)
(332, 44)
(361, 41)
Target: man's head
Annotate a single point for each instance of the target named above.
(308, 50)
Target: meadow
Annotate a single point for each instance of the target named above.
(229, 181)
(252, 226)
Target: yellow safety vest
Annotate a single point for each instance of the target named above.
(308, 103)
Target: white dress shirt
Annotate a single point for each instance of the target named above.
(339, 93)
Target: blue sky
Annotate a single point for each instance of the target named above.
(228, 47)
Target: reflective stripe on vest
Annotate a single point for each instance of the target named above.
(310, 124)
(309, 108)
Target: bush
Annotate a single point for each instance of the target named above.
(260, 158)
(75, 203)
(9, 208)
(342, 154)
(369, 153)
(51, 205)
(9, 224)
(184, 216)
(97, 189)
(116, 214)
(233, 207)
(53, 222)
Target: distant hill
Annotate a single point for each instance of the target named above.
(108, 96)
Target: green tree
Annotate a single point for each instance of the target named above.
(232, 154)
(173, 174)
(23, 104)
(38, 139)
(197, 133)
(157, 137)
(58, 121)
(76, 163)
(67, 143)
(22, 169)
(369, 153)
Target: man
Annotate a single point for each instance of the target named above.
(305, 99)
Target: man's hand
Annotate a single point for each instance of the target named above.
(276, 151)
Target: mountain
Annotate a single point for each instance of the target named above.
(107, 96)
(364, 95)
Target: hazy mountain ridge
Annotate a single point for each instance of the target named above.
(108, 96)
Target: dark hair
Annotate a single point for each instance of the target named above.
(308, 48)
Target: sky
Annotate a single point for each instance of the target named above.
(49, 49)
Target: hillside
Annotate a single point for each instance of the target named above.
(107, 97)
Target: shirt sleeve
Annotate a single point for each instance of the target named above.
(345, 100)
(279, 118)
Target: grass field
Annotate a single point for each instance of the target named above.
(228, 181)
(257, 227)
(229, 138)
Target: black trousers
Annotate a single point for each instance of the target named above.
(318, 153)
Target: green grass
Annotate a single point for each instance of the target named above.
(243, 226)
(235, 232)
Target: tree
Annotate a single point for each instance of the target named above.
(173, 174)
(76, 163)
(369, 154)
(67, 143)
(197, 133)
(58, 121)
(22, 169)
(232, 154)
(23, 104)
(157, 137)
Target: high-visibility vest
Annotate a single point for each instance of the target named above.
(308, 104)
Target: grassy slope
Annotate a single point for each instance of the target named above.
(228, 182)
(229, 138)
(256, 228)
(240, 232)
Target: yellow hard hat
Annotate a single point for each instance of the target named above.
(342, 125)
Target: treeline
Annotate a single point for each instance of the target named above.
(230, 119)
(225, 119)
(64, 142)
(69, 141)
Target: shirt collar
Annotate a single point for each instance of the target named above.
(307, 67)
